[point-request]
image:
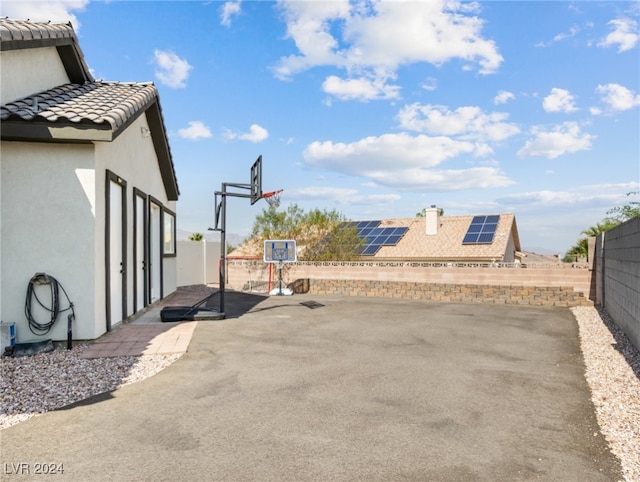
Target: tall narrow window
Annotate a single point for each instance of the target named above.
(169, 238)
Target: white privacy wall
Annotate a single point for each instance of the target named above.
(198, 262)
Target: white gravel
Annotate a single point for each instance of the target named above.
(612, 369)
(33, 385)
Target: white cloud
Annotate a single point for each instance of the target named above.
(440, 180)
(563, 139)
(469, 122)
(384, 153)
(173, 71)
(256, 134)
(359, 89)
(58, 11)
(430, 84)
(372, 40)
(625, 34)
(559, 100)
(196, 130)
(503, 97)
(405, 162)
(573, 31)
(228, 10)
(606, 195)
(618, 97)
(340, 196)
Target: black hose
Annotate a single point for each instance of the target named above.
(38, 328)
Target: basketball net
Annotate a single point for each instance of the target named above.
(273, 198)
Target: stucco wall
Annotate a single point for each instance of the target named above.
(17, 78)
(132, 157)
(52, 205)
(47, 212)
(618, 282)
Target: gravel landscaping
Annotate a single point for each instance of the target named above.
(34, 385)
(612, 369)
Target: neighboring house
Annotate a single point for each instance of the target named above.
(87, 183)
(432, 238)
(480, 238)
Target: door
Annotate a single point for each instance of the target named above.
(115, 250)
(140, 251)
(155, 250)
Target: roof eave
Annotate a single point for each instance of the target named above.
(54, 132)
(161, 146)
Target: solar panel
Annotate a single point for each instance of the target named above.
(375, 236)
(481, 230)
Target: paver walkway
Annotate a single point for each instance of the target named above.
(148, 335)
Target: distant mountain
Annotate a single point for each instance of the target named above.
(232, 238)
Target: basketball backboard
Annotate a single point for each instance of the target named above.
(280, 251)
(256, 180)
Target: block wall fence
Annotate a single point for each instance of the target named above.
(617, 276)
(541, 285)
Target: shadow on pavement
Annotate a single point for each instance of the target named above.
(236, 303)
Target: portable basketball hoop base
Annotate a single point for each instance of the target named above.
(195, 312)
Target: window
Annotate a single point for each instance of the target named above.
(169, 233)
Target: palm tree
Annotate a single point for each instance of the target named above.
(196, 237)
(600, 227)
(578, 250)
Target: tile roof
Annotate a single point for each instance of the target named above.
(25, 30)
(416, 245)
(84, 109)
(447, 244)
(100, 104)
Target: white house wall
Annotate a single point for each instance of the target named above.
(132, 157)
(17, 74)
(47, 209)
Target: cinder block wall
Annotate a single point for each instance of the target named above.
(541, 286)
(618, 280)
(459, 293)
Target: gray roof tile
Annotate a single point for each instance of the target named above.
(11, 29)
(92, 103)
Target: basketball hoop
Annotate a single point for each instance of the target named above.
(273, 198)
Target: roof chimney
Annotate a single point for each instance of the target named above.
(432, 218)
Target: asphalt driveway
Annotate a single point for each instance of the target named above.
(329, 388)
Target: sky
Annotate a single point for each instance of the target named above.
(378, 109)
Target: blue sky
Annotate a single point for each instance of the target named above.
(381, 108)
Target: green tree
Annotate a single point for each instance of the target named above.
(320, 235)
(196, 237)
(578, 250)
(620, 214)
(617, 215)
